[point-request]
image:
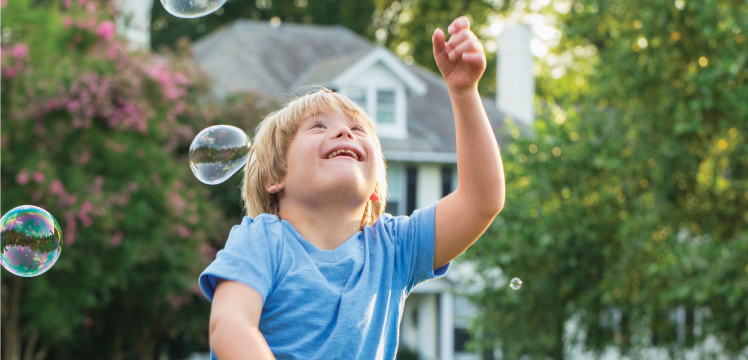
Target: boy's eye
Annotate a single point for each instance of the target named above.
(358, 128)
(319, 124)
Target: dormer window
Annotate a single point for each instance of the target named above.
(386, 106)
(358, 95)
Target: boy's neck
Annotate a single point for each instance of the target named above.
(325, 226)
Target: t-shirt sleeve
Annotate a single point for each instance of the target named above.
(414, 240)
(250, 256)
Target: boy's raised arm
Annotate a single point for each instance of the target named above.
(465, 214)
(234, 320)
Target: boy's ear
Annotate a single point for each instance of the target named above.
(274, 188)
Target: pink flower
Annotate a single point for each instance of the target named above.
(85, 157)
(117, 238)
(67, 3)
(22, 178)
(20, 51)
(3, 3)
(67, 21)
(182, 231)
(176, 302)
(123, 200)
(38, 177)
(207, 253)
(70, 229)
(132, 186)
(106, 30)
(56, 187)
(91, 7)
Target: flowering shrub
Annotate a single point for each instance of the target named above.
(98, 136)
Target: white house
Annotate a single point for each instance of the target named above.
(415, 124)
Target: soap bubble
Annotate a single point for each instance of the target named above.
(218, 152)
(31, 241)
(515, 284)
(189, 9)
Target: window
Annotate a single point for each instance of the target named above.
(386, 106)
(359, 96)
(462, 337)
(395, 190)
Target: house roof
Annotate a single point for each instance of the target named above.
(252, 56)
(338, 71)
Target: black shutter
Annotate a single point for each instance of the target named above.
(446, 180)
(412, 180)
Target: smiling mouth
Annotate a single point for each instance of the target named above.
(346, 153)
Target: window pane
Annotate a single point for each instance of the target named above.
(359, 96)
(462, 337)
(394, 176)
(386, 106)
(392, 208)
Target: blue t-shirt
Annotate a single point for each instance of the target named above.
(329, 304)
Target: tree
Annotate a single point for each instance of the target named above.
(99, 136)
(629, 203)
(354, 15)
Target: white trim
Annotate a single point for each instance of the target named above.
(433, 286)
(446, 326)
(420, 156)
(390, 61)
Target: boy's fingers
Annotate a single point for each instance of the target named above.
(458, 24)
(440, 52)
(466, 47)
(474, 57)
(438, 41)
(456, 39)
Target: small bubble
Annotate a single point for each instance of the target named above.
(218, 152)
(515, 284)
(189, 9)
(29, 230)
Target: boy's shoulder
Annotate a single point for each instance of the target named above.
(265, 226)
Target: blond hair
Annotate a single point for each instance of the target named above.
(267, 157)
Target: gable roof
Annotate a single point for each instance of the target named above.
(338, 71)
(252, 56)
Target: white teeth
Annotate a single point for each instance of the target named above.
(338, 152)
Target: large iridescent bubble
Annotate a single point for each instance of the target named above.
(218, 152)
(31, 241)
(191, 8)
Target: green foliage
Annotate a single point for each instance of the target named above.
(406, 28)
(98, 136)
(353, 14)
(642, 207)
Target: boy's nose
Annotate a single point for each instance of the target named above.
(344, 131)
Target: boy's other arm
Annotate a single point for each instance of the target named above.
(234, 320)
(464, 215)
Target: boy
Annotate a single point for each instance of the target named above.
(316, 270)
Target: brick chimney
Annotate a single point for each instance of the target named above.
(515, 83)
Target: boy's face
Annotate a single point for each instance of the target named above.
(332, 158)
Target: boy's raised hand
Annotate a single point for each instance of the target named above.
(461, 60)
